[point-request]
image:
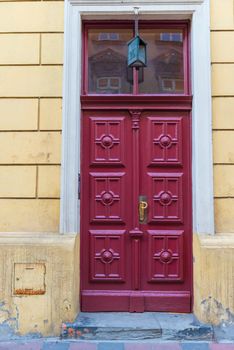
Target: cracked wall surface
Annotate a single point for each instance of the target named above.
(39, 314)
(214, 278)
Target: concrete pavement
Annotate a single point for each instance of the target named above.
(148, 331)
(56, 344)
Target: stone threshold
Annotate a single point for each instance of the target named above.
(137, 326)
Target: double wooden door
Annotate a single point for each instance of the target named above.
(136, 208)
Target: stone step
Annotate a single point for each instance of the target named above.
(137, 326)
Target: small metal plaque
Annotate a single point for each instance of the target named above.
(29, 279)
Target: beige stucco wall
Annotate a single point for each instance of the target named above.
(214, 278)
(31, 40)
(214, 255)
(222, 53)
(38, 313)
(31, 57)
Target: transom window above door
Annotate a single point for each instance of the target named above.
(105, 59)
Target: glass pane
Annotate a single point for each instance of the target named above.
(107, 61)
(164, 73)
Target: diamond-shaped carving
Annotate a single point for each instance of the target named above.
(107, 255)
(107, 140)
(165, 140)
(165, 197)
(165, 255)
(107, 203)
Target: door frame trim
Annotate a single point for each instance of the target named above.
(202, 159)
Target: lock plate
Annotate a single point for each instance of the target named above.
(142, 207)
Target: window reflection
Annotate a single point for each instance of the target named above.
(164, 73)
(107, 61)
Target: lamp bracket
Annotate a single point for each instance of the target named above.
(136, 12)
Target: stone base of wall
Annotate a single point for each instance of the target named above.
(214, 278)
(39, 275)
(39, 287)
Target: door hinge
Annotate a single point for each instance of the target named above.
(79, 186)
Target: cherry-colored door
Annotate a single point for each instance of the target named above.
(135, 201)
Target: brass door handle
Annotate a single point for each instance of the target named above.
(143, 205)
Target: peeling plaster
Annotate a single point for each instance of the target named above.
(215, 312)
(9, 320)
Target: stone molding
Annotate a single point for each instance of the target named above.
(36, 238)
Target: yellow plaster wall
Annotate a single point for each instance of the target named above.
(222, 56)
(41, 314)
(214, 255)
(214, 278)
(31, 57)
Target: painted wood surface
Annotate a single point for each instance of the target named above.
(128, 265)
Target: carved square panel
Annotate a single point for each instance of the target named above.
(165, 137)
(107, 197)
(165, 199)
(107, 140)
(107, 260)
(165, 255)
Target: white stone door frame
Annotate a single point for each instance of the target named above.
(202, 162)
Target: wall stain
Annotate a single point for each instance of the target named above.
(9, 320)
(215, 312)
(29, 292)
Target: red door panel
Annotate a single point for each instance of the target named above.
(107, 253)
(106, 216)
(166, 184)
(165, 255)
(107, 197)
(108, 145)
(129, 264)
(165, 140)
(165, 197)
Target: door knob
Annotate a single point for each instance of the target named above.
(143, 205)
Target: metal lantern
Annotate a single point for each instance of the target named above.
(137, 52)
